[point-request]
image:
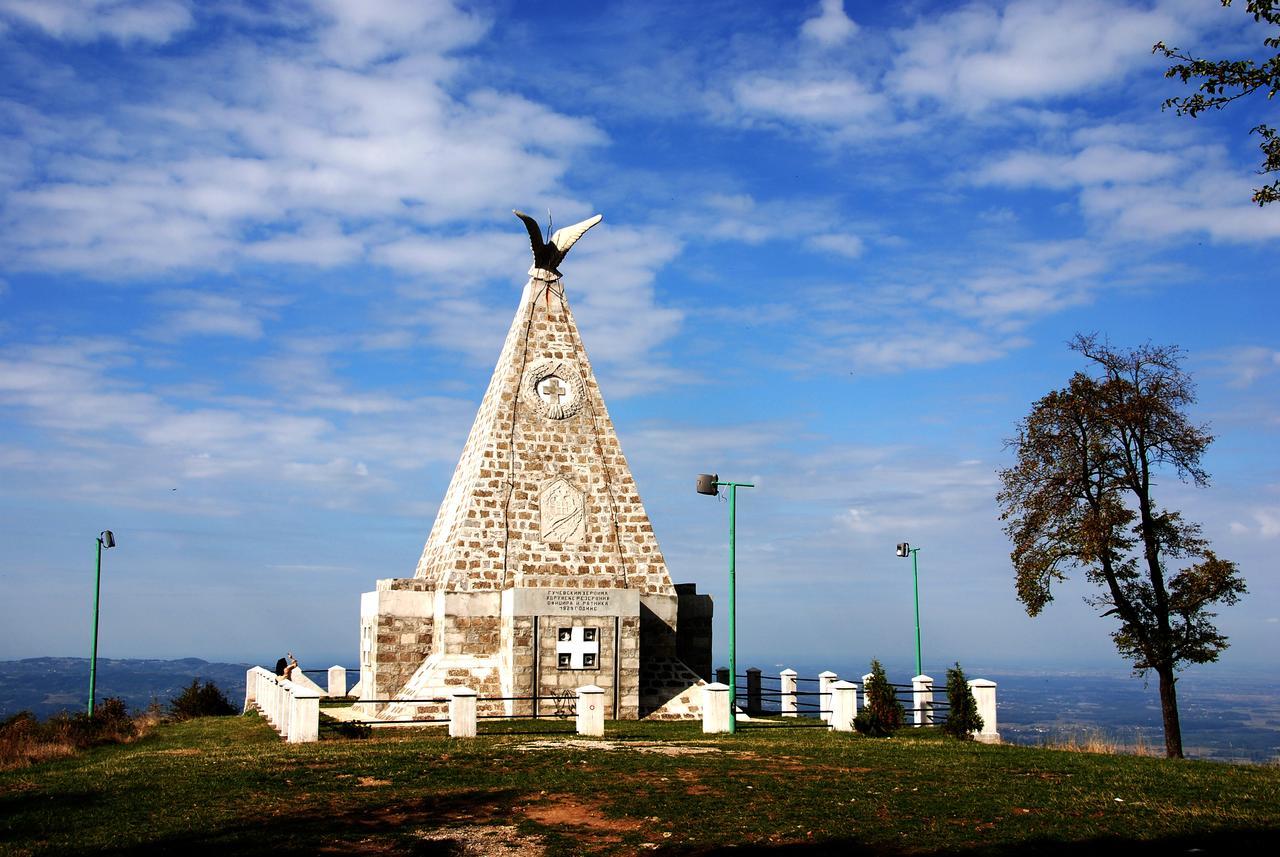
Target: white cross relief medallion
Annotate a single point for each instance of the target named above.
(578, 648)
(557, 388)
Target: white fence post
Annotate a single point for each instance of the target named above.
(303, 706)
(715, 707)
(844, 705)
(462, 713)
(591, 710)
(984, 693)
(922, 699)
(788, 687)
(337, 681)
(286, 702)
(825, 680)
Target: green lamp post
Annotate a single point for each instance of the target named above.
(709, 483)
(905, 549)
(106, 539)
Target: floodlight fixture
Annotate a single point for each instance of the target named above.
(903, 548)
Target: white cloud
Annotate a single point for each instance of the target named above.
(89, 20)
(1268, 521)
(1212, 201)
(196, 313)
(252, 154)
(610, 284)
(831, 26)
(1246, 364)
(1028, 50)
(465, 258)
(1161, 190)
(367, 31)
(831, 99)
(1091, 165)
(230, 456)
(839, 243)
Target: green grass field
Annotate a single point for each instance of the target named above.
(229, 786)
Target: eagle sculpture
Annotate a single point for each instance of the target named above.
(547, 256)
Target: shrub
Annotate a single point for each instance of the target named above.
(882, 714)
(25, 741)
(963, 718)
(200, 701)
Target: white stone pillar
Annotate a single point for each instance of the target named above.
(844, 705)
(462, 713)
(922, 699)
(286, 707)
(591, 711)
(825, 680)
(278, 700)
(304, 716)
(337, 681)
(715, 707)
(272, 709)
(788, 687)
(250, 691)
(984, 693)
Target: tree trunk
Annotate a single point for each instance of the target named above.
(1169, 711)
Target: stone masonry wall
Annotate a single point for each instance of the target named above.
(489, 532)
(403, 643)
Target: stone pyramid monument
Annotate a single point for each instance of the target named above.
(542, 572)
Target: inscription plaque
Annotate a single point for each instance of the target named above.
(537, 601)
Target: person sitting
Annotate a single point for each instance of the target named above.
(291, 667)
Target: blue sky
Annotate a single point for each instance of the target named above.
(256, 263)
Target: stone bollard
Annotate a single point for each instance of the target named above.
(984, 693)
(304, 715)
(337, 681)
(715, 707)
(844, 705)
(722, 675)
(591, 711)
(754, 706)
(922, 699)
(788, 686)
(462, 713)
(825, 680)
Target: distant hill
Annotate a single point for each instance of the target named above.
(45, 686)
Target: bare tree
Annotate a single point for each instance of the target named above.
(1080, 496)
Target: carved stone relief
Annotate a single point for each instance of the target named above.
(563, 511)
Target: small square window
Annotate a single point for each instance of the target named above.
(562, 660)
(565, 634)
(589, 635)
(588, 661)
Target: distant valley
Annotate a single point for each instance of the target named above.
(45, 686)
